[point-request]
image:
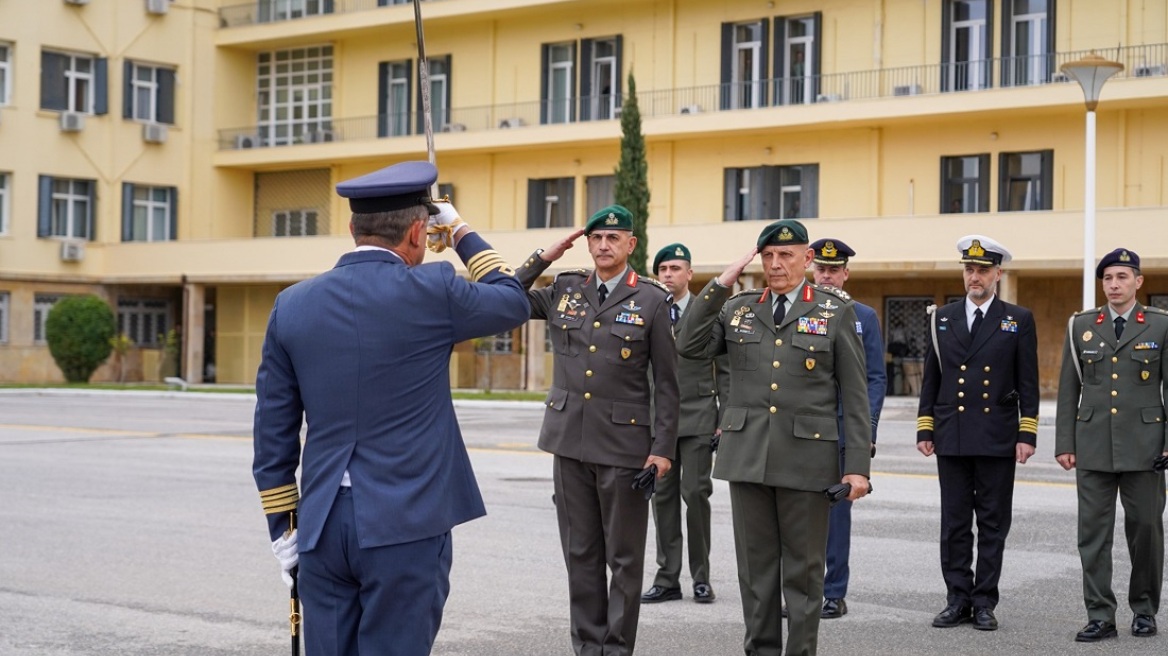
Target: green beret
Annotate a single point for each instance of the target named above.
(670, 252)
(613, 217)
(781, 233)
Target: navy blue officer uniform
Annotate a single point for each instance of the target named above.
(599, 426)
(361, 354)
(979, 401)
(839, 532)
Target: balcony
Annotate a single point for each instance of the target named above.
(274, 11)
(897, 84)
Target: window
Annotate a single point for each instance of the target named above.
(797, 62)
(41, 305)
(965, 44)
(393, 111)
(73, 83)
(965, 184)
(4, 186)
(5, 73)
(550, 202)
(772, 192)
(558, 83)
(744, 57)
(4, 317)
(446, 190)
(294, 223)
(144, 320)
(1025, 183)
(148, 93)
(908, 325)
(65, 208)
(1027, 42)
(278, 10)
(148, 213)
(439, 95)
(600, 191)
(295, 94)
(600, 78)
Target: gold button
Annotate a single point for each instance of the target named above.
(774, 409)
(1114, 393)
(986, 383)
(817, 436)
(739, 340)
(707, 297)
(775, 364)
(587, 395)
(564, 327)
(960, 381)
(1114, 376)
(1114, 410)
(1114, 359)
(987, 369)
(987, 411)
(632, 421)
(961, 395)
(774, 386)
(960, 408)
(628, 338)
(592, 349)
(963, 367)
(985, 395)
(551, 403)
(778, 342)
(812, 348)
(588, 373)
(595, 324)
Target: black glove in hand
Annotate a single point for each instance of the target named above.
(647, 481)
(1160, 463)
(840, 491)
(714, 442)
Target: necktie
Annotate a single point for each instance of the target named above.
(780, 310)
(1119, 321)
(675, 313)
(603, 293)
(977, 317)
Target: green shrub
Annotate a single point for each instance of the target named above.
(78, 330)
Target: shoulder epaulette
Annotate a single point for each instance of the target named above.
(656, 283)
(1083, 313)
(1155, 310)
(834, 291)
(572, 272)
(746, 292)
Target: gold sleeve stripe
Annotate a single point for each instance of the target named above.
(280, 499)
(924, 423)
(476, 260)
(1028, 425)
(485, 267)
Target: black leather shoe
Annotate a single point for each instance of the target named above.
(833, 608)
(703, 593)
(953, 615)
(657, 594)
(984, 620)
(1143, 626)
(784, 612)
(1096, 630)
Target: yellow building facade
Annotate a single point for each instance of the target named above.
(178, 158)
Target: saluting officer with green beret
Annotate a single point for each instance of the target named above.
(795, 357)
(1110, 429)
(609, 327)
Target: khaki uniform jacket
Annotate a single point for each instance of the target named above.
(598, 405)
(779, 425)
(1113, 421)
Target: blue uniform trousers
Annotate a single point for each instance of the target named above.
(839, 547)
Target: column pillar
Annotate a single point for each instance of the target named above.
(194, 331)
(1008, 287)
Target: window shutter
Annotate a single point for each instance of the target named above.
(383, 99)
(619, 68)
(545, 101)
(983, 183)
(44, 206)
(101, 86)
(764, 62)
(128, 89)
(127, 211)
(727, 65)
(817, 50)
(809, 194)
(567, 205)
(946, 38)
(782, 80)
(730, 195)
(765, 191)
(53, 91)
(1051, 44)
(166, 88)
(535, 207)
(586, 49)
(572, 93)
(1046, 201)
(173, 236)
(90, 223)
(328, 6)
(449, 88)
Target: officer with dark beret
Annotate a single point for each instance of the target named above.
(384, 471)
(1110, 430)
(978, 414)
(702, 383)
(795, 357)
(611, 331)
(829, 268)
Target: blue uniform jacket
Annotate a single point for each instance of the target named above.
(869, 328)
(361, 353)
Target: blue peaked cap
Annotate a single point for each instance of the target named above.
(392, 188)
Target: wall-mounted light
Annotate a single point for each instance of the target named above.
(993, 136)
(768, 150)
(579, 26)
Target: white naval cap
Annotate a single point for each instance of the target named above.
(979, 249)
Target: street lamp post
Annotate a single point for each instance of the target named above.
(1091, 72)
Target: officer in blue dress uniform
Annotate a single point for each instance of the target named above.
(979, 415)
(830, 269)
(361, 354)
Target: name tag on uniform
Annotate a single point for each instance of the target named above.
(1009, 326)
(1146, 346)
(811, 326)
(630, 318)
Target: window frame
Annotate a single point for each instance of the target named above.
(287, 109)
(301, 215)
(5, 203)
(969, 74)
(758, 193)
(982, 200)
(159, 89)
(5, 314)
(134, 315)
(42, 305)
(595, 106)
(735, 87)
(540, 207)
(392, 120)
(439, 101)
(788, 90)
(60, 82)
(1045, 180)
(49, 199)
(1040, 68)
(131, 204)
(5, 73)
(557, 110)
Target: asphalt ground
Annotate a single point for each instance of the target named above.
(130, 524)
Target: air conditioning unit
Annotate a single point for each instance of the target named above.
(72, 121)
(691, 109)
(454, 127)
(246, 141)
(1150, 71)
(320, 136)
(154, 133)
(828, 97)
(907, 90)
(72, 251)
(157, 6)
(76, 2)
(514, 122)
(1060, 77)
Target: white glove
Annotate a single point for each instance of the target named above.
(442, 227)
(288, 553)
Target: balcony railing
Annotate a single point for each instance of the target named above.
(273, 11)
(963, 77)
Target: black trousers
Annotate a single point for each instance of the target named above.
(981, 488)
